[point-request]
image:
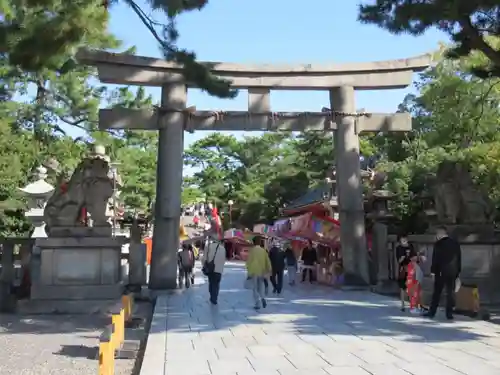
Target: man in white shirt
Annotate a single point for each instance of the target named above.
(214, 253)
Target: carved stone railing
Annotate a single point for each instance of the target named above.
(15, 252)
(15, 256)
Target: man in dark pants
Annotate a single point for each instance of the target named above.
(309, 259)
(214, 254)
(446, 267)
(277, 258)
(214, 286)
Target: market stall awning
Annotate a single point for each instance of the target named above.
(264, 229)
(325, 230)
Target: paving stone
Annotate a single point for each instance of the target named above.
(345, 371)
(376, 356)
(315, 330)
(230, 365)
(233, 352)
(308, 361)
(341, 358)
(429, 368)
(384, 369)
(278, 363)
(196, 366)
(266, 351)
(478, 366)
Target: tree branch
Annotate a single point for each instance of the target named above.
(478, 42)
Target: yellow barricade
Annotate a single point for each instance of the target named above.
(106, 352)
(128, 305)
(118, 320)
(113, 336)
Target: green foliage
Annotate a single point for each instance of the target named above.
(191, 195)
(469, 23)
(456, 117)
(41, 35)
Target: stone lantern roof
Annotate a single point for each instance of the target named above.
(40, 187)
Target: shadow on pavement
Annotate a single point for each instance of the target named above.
(79, 351)
(50, 323)
(310, 310)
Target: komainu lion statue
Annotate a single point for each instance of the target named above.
(457, 199)
(89, 187)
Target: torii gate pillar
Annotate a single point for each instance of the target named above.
(350, 188)
(163, 273)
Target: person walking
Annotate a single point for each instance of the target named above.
(277, 259)
(180, 269)
(187, 260)
(414, 282)
(291, 265)
(309, 259)
(403, 252)
(445, 269)
(258, 268)
(214, 258)
(196, 220)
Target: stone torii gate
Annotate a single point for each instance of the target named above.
(172, 118)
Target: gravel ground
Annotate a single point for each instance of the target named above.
(56, 344)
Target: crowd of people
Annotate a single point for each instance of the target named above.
(266, 266)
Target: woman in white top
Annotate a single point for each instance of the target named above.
(214, 258)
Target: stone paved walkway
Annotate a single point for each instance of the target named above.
(310, 330)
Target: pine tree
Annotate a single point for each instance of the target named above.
(45, 34)
(469, 23)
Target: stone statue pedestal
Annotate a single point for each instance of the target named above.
(78, 273)
(467, 231)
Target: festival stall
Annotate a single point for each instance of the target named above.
(324, 231)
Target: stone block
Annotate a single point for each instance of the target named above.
(137, 264)
(476, 260)
(78, 268)
(57, 232)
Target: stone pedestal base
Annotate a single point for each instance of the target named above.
(82, 307)
(77, 273)
(354, 280)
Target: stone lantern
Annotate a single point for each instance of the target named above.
(380, 206)
(428, 208)
(381, 217)
(38, 193)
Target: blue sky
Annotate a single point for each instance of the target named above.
(278, 31)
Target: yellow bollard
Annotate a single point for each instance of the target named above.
(117, 336)
(122, 326)
(475, 296)
(118, 321)
(106, 352)
(126, 306)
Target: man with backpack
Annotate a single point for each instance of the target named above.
(186, 261)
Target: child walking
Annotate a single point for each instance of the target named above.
(414, 283)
